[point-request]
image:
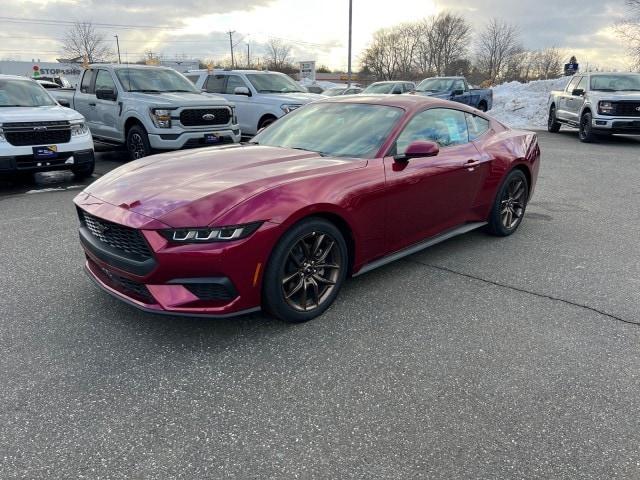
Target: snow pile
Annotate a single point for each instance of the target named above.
(524, 105)
(306, 82)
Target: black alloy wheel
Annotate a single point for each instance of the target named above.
(510, 205)
(138, 143)
(306, 271)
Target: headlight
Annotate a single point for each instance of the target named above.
(289, 108)
(161, 117)
(606, 108)
(209, 235)
(233, 115)
(2, 139)
(78, 127)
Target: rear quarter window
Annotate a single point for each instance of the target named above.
(477, 126)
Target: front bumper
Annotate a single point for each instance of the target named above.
(620, 125)
(76, 152)
(214, 279)
(193, 138)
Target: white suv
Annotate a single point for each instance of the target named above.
(37, 134)
(260, 97)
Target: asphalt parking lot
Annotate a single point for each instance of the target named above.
(479, 358)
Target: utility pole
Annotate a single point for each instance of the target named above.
(118, 45)
(248, 56)
(350, 31)
(233, 63)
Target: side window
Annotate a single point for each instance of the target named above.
(215, 83)
(476, 125)
(87, 79)
(193, 78)
(458, 85)
(104, 81)
(397, 88)
(234, 81)
(445, 126)
(583, 84)
(572, 84)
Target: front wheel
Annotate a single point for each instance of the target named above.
(585, 132)
(510, 204)
(138, 142)
(306, 271)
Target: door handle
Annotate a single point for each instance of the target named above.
(472, 164)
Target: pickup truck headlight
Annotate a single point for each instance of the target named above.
(78, 127)
(289, 108)
(210, 235)
(161, 117)
(234, 118)
(606, 108)
(2, 139)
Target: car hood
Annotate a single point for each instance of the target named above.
(615, 96)
(180, 188)
(298, 98)
(38, 114)
(178, 99)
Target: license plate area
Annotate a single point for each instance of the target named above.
(45, 153)
(211, 138)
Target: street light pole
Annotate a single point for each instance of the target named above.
(233, 63)
(350, 31)
(118, 45)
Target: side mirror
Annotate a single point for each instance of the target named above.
(419, 149)
(577, 92)
(106, 94)
(242, 91)
(64, 103)
(457, 92)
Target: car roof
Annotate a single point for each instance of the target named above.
(128, 66)
(224, 70)
(597, 74)
(406, 102)
(15, 77)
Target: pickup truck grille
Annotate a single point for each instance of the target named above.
(21, 134)
(626, 109)
(196, 116)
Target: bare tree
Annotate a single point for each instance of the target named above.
(629, 30)
(549, 63)
(448, 40)
(278, 54)
(82, 40)
(382, 57)
(496, 46)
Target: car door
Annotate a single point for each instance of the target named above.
(84, 98)
(564, 101)
(574, 102)
(225, 85)
(430, 195)
(464, 98)
(105, 123)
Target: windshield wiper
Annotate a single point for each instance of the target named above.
(322, 154)
(14, 105)
(185, 91)
(146, 91)
(270, 91)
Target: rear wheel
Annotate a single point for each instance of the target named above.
(510, 204)
(138, 142)
(552, 124)
(585, 132)
(306, 271)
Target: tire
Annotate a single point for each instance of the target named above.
(482, 106)
(265, 122)
(585, 131)
(512, 197)
(553, 125)
(294, 280)
(138, 143)
(85, 171)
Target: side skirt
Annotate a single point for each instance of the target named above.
(454, 232)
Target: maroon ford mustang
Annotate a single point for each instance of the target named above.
(332, 190)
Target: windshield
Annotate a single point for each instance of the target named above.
(153, 80)
(332, 92)
(616, 83)
(435, 85)
(273, 83)
(23, 93)
(333, 129)
(378, 88)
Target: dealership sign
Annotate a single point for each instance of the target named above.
(308, 70)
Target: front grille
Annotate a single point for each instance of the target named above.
(193, 117)
(125, 285)
(21, 134)
(125, 239)
(210, 291)
(626, 109)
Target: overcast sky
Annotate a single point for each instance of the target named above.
(317, 28)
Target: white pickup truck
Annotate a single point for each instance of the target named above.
(260, 97)
(37, 134)
(149, 108)
(598, 104)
